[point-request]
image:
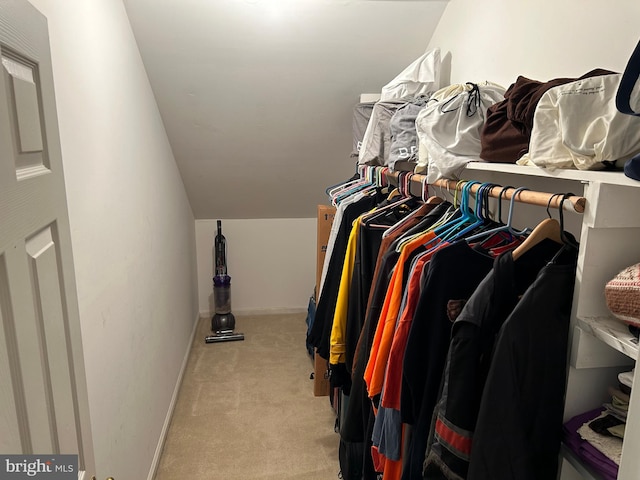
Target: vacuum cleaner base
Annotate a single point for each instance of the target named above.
(222, 325)
(223, 322)
(230, 336)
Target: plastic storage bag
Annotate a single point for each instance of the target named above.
(377, 137)
(422, 76)
(403, 151)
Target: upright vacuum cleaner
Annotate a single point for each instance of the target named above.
(223, 322)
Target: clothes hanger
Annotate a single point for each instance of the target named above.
(549, 228)
(381, 176)
(356, 177)
(399, 223)
(569, 242)
(424, 194)
(480, 219)
(444, 230)
(448, 216)
(424, 190)
(486, 213)
(343, 186)
(497, 239)
(362, 185)
(508, 227)
(339, 186)
(366, 177)
(504, 189)
(379, 212)
(467, 214)
(360, 176)
(420, 226)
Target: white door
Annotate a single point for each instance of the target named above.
(43, 396)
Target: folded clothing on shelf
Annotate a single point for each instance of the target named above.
(626, 378)
(604, 425)
(609, 446)
(589, 454)
(625, 381)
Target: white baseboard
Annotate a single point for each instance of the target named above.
(174, 398)
(261, 311)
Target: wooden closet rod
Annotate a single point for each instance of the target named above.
(532, 197)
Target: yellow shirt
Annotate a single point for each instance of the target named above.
(337, 343)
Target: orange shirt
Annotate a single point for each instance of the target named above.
(393, 376)
(374, 372)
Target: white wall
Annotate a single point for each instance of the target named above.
(272, 264)
(132, 230)
(498, 40)
(257, 95)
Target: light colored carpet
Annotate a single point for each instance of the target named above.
(246, 410)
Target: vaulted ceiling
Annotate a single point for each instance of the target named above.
(257, 95)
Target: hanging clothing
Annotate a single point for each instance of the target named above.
(321, 330)
(338, 341)
(374, 373)
(373, 243)
(469, 359)
(519, 425)
(337, 344)
(333, 234)
(356, 429)
(402, 324)
(378, 357)
(388, 430)
(453, 275)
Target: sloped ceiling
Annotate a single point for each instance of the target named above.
(257, 95)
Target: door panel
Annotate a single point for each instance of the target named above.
(52, 319)
(10, 440)
(28, 345)
(22, 92)
(43, 397)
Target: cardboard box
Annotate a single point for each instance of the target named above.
(326, 214)
(320, 376)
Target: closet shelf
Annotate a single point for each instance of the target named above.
(614, 178)
(614, 333)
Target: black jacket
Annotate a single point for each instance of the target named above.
(481, 416)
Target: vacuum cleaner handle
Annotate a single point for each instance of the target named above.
(220, 246)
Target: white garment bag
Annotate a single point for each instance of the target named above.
(449, 128)
(578, 125)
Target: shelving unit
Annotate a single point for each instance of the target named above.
(614, 333)
(603, 176)
(609, 234)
